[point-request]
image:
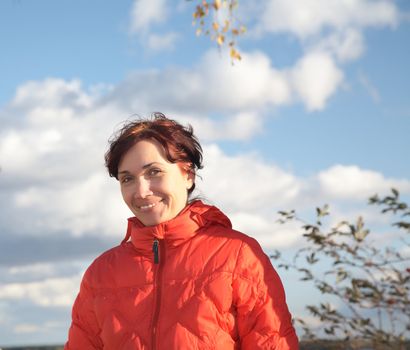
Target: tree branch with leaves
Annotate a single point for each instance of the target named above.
(370, 282)
(217, 19)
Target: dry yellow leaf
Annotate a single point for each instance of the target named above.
(220, 39)
(235, 55)
(226, 26)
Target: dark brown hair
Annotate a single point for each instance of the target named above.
(179, 143)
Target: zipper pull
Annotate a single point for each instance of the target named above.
(155, 249)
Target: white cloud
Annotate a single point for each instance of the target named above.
(59, 179)
(50, 93)
(266, 230)
(241, 126)
(351, 182)
(315, 78)
(369, 87)
(162, 42)
(214, 85)
(30, 329)
(253, 83)
(145, 16)
(52, 162)
(24, 328)
(37, 272)
(144, 13)
(252, 184)
(405, 252)
(92, 205)
(17, 149)
(331, 28)
(346, 45)
(306, 18)
(52, 130)
(50, 292)
(330, 31)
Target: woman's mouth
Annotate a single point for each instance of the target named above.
(147, 206)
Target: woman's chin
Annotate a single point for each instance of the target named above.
(155, 215)
(151, 218)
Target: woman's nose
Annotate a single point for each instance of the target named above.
(143, 188)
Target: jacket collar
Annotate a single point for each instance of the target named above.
(177, 230)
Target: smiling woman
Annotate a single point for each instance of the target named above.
(182, 278)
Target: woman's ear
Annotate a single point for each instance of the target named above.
(190, 178)
(189, 175)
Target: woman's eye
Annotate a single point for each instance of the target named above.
(125, 180)
(153, 172)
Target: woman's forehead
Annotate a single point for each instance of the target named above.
(143, 154)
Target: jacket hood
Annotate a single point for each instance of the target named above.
(185, 225)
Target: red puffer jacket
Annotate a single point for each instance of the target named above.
(189, 283)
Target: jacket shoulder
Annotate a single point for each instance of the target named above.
(252, 263)
(227, 233)
(107, 268)
(107, 256)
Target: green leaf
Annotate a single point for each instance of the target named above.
(276, 254)
(311, 259)
(341, 275)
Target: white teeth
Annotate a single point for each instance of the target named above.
(148, 206)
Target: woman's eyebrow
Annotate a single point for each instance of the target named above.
(124, 172)
(149, 164)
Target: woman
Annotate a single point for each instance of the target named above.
(182, 278)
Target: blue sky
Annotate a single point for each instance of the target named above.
(317, 111)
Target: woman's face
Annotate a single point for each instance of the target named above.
(153, 188)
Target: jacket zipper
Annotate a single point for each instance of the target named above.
(158, 249)
(155, 249)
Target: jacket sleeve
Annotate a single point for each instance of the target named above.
(84, 330)
(263, 318)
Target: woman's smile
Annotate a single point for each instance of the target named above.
(147, 207)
